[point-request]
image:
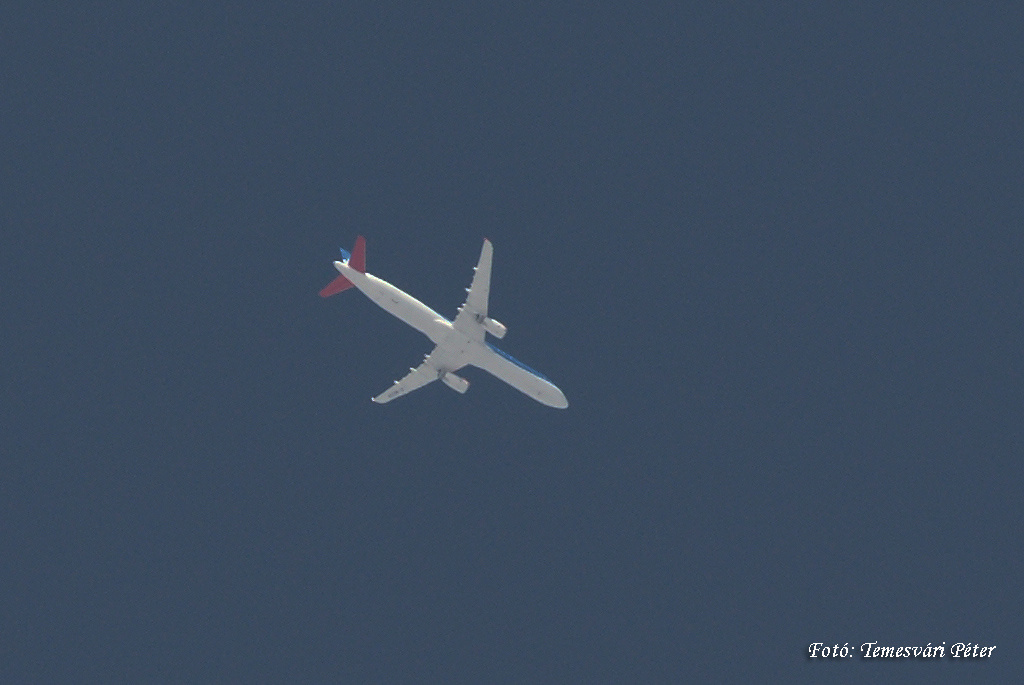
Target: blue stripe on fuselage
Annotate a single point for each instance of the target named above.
(518, 363)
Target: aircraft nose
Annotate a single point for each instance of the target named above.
(555, 398)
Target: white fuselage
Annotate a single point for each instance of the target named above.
(399, 303)
(457, 349)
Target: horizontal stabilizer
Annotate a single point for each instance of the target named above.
(336, 286)
(355, 259)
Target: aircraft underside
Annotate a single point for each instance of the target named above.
(458, 343)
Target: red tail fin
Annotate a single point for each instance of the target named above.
(358, 259)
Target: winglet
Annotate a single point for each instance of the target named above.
(336, 286)
(358, 259)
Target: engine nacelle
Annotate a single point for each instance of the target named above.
(495, 328)
(456, 383)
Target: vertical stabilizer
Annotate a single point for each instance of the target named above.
(358, 259)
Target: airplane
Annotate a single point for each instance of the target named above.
(457, 343)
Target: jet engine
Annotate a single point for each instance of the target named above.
(456, 383)
(495, 328)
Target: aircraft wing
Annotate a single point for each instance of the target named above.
(414, 380)
(434, 366)
(474, 310)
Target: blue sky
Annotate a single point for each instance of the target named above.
(771, 254)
